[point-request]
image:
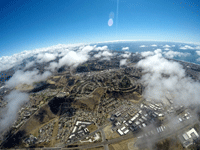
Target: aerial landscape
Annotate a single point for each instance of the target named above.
(122, 79)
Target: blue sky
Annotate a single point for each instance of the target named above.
(30, 24)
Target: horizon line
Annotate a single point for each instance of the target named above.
(112, 41)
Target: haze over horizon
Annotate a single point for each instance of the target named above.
(34, 24)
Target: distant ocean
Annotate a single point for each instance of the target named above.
(178, 51)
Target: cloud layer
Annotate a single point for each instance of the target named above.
(168, 54)
(15, 100)
(123, 62)
(175, 82)
(125, 48)
(28, 77)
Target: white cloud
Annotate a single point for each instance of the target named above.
(169, 54)
(28, 77)
(123, 62)
(125, 48)
(154, 45)
(147, 53)
(198, 59)
(73, 58)
(198, 53)
(184, 89)
(7, 62)
(157, 51)
(46, 57)
(186, 47)
(173, 45)
(29, 64)
(126, 55)
(88, 48)
(167, 49)
(52, 66)
(107, 54)
(150, 53)
(172, 54)
(98, 55)
(102, 48)
(166, 46)
(143, 46)
(15, 100)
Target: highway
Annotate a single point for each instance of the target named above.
(116, 140)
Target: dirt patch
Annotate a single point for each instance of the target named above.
(24, 87)
(55, 131)
(92, 127)
(170, 143)
(124, 145)
(109, 133)
(96, 148)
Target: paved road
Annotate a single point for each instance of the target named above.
(104, 139)
(116, 140)
(106, 147)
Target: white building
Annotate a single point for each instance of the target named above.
(120, 132)
(188, 137)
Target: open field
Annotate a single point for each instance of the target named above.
(97, 148)
(123, 145)
(92, 127)
(109, 133)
